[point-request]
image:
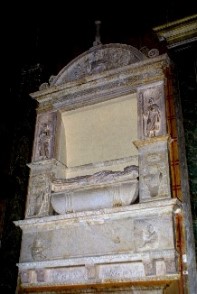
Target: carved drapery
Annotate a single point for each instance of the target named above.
(45, 136)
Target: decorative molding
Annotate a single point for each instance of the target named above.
(143, 143)
(179, 32)
(103, 86)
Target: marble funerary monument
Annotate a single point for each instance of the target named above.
(103, 209)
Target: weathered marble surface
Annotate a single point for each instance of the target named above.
(154, 176)
(119, 244)
(39, 189)
(44, 136)
(103, 86)
(151, 110)
(96, 60)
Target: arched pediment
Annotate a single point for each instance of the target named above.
(96, 60)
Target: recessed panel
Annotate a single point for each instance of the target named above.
(101, 132)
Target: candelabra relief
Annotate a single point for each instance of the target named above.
(153, 180)
(154, 172)
(39, 194)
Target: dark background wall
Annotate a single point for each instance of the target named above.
(185, 58)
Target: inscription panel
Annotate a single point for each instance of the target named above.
(119, 271)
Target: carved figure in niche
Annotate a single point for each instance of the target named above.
(44, 141)
(149, 236)
(152, 119)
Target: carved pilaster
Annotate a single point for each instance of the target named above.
(39, 189)
(154, 180)
(151, 111)
(44, 136)
(39, 194)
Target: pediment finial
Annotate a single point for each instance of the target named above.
(97, 37)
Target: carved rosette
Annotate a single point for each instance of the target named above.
(44, 137)
(38, 203)
(151, 111)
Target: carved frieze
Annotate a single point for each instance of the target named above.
(38, 203)
(151, 111)
(44, 136)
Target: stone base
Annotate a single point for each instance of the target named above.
(163, 287)
(133, 244)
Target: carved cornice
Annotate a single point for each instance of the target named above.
(142, 143)
(178, 32)
(103, 86)
(164, 205)
(47, 165)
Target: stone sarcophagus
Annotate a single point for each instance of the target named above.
(100, 190)
(100, 208)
